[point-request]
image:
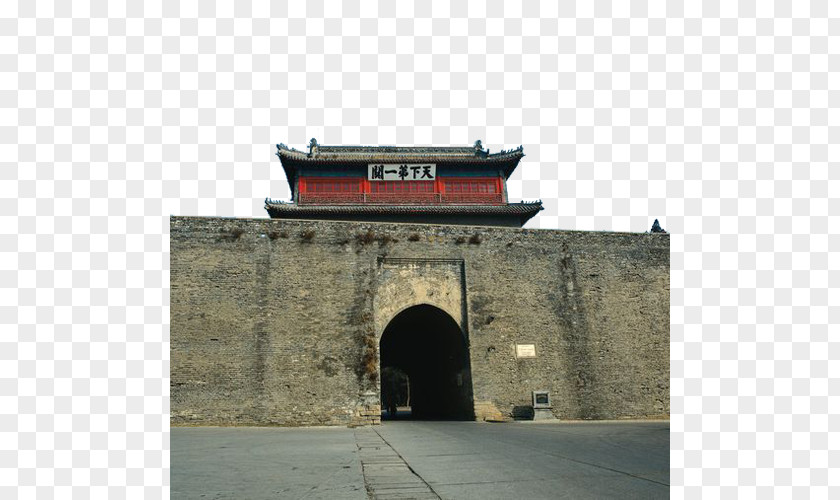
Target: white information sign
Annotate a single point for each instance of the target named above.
(401, 172)
(526, 351)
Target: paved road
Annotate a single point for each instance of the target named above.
(464, 460)
(255, 463)
(457, 460)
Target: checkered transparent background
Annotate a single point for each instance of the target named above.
(719, 118)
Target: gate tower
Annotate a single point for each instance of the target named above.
(433, 185)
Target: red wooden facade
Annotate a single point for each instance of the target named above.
(441, 191)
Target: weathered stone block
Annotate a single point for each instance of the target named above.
(271, 319)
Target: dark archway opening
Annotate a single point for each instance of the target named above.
(425, 364)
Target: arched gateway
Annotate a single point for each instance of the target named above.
(407, 266)
(427, 345)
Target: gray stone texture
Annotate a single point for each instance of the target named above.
(269, 317)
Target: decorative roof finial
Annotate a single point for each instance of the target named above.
(313, 147)
(479, 149)
(656, 228)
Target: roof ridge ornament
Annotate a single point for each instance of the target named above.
(313, 147)
(479, 149)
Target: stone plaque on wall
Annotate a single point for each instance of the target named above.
(526, 351)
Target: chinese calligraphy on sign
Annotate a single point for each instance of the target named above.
(401, 172)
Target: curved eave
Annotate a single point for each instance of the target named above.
(291, 158)
(524, 211)
(289, 154)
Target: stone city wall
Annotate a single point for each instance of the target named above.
(276, 322)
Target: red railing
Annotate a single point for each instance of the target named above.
(401, 198)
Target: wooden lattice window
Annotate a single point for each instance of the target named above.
(471, 186)
(402, 187)
(331, 185)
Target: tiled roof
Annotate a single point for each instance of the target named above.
(458, 154)
(279, 209)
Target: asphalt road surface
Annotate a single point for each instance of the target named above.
(415, 459)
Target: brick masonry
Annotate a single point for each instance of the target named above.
(269, 318)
